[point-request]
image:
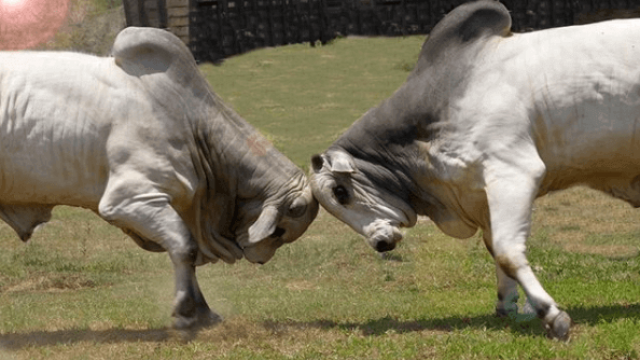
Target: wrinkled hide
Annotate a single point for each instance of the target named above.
(487, 121)
(142, 140)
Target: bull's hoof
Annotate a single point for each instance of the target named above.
(203, 319)
(559, 327)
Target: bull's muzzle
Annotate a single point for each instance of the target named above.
(382, 236)
(383, 246)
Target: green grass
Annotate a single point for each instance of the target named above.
(82, 290)
(302, 98)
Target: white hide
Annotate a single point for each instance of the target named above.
(141, 139)
(491, 121)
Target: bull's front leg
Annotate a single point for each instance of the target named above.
(151, 217)
(511, 191)
(190, 309)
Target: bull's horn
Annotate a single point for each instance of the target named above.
(264, 226)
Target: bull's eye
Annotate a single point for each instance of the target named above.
(341, 194)
(297, 210)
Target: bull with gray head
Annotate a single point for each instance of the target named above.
(487, 121)
(141, 139)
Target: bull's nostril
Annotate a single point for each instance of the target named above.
(278, 232)
(382, 246)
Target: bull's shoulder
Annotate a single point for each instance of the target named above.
(462, 28)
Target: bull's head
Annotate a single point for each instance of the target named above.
(350, 195)
(279, 220)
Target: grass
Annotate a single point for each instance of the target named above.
(82, 290)
(90, 27)
(313, 93)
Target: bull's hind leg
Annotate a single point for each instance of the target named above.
(151, 217)
(507, 304)
(511, 191)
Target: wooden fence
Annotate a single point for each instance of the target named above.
(172, 15)
(215, 29)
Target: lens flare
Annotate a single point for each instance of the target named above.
(28, 23)
(12, 3)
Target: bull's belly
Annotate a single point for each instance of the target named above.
(52, 160)
(615, 173)
(50, 180)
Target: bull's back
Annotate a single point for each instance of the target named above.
(56, 113)
(582, 89)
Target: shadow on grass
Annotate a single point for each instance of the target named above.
(589, 316)
(16, 341)
(387, 324)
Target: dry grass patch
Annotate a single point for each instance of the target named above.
(51, 283)
(573, 218)
(611, 251)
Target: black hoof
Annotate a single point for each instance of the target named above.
(201, 320)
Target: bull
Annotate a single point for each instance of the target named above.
(141, 139)
(486, 122)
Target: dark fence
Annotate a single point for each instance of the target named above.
(221, 28)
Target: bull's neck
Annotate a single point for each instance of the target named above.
(386, 139)
(246, 155)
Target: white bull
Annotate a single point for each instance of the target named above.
(487, 121)
(142, 140)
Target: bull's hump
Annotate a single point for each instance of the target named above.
(147, 51)
(470, 22)
(461, 29)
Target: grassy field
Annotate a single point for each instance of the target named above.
(90, 27)
(82, 290)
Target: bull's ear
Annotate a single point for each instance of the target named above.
(341, 162)
(317, 162)
(264, 226)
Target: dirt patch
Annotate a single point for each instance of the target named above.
(51, 284)
(614, 251)
(301, 285)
